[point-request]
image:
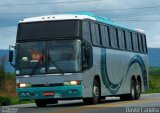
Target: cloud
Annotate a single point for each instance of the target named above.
(7, 36)
(9, 15)
(155, 42)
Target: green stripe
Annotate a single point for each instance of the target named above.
(113, 88)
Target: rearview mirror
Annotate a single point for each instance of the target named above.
(10, 56)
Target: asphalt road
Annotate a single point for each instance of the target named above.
(148, 103)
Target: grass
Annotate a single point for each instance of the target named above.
(4, 101)
(8, 95)
(154, 80)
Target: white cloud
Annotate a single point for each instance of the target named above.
(7, 36)
(8, 29)
(155, 42)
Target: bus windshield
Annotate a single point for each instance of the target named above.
(48, 57)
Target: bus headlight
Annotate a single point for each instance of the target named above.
(73, 82)
(23, 85)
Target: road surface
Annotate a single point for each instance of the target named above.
(148, 103)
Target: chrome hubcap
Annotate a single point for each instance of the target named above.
(96, 91)
(138, 88)
(133, 92)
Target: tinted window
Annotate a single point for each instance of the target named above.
(95, 34)
(140, 43)
(113, 37)
(107, 35)
(121, 39)
(49, 30)
(144, 43)
(104, 36)
(29, 54)
(63, 55)
(135, 42)
(128, 40)
(86, 31)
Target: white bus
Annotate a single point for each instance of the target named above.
(79, 56)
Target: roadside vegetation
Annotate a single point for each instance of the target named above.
(8, 94)
(154, 80)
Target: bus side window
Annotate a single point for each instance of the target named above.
(144, 44)
(121, 39)
(135, 42)
(86, 31)
(107, 36)
(104, 36)
(97, 34)
(113, 37)
(140, 42)
(128, 40)
(93, 32)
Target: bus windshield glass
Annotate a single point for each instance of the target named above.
(48, 57)
(49, 30)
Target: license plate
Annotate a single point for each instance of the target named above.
(48, 93)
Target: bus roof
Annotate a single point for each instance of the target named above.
(78, 16)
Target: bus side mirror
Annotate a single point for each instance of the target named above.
(10, 56)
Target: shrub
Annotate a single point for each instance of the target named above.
(4, 101)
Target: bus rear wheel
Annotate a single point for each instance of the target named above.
(95, 94)
(135, 91)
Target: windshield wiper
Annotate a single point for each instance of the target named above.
(57, 67)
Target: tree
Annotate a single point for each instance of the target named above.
(3, 63)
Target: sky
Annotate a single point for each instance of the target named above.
(140, 14)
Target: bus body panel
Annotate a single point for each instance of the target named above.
(120, 68)
(114, 66)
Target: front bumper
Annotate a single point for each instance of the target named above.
(60, 92)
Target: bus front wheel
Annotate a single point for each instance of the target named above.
(95, 94)
(40, 103)
(44, 102)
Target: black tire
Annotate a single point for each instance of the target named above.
(95, 94)
(133, 88)
(125, 97)
(134, 93)
(103, 98)
(40, 103)
(137, 90)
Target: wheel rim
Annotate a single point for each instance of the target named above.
(96, 91)
(138, 89)
(133, 91)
